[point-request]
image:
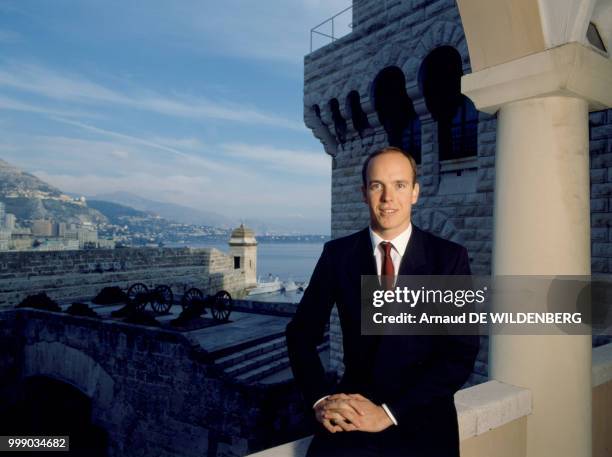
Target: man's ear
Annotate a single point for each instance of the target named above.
(415, 192)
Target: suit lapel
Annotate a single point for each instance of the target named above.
(414, 259)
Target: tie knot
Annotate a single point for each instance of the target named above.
(386, 247)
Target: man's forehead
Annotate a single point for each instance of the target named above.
(390, 165)
(391, 156)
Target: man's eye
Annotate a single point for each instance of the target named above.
(374, 186)
(401, 185)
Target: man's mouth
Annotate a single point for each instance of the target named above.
(387, 211)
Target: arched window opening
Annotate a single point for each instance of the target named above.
(358, 116)
(396, 111)
(464, 129)
(339, 122)
(457, 118)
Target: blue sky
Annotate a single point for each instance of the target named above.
(190, 102)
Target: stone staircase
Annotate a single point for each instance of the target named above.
(256, 360)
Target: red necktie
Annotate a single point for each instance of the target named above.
(388, 270)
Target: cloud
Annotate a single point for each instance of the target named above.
(115, 153)
(286, 160)
(242, 189)
(251, 198)
(119, 154)
(130, 139)
(35, 79)
(7, 103)
(123, 97)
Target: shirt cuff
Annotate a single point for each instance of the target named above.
(319, 401)
(388, 411)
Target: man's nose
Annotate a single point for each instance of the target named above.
(387, 194)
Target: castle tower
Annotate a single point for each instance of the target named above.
(530, 94)
(243, 249)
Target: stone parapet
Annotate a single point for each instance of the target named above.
(481, 410)
(73, 275)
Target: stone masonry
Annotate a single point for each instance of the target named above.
(66, 275)
(401, 33)
(153, 391)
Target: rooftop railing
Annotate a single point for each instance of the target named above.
(331, 29)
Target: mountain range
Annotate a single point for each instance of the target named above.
(189, 215)
(29, 197)
(170, 211)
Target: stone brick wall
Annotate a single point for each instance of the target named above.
(151, 389)
(401, 33)
(82, 274)
(601, 191)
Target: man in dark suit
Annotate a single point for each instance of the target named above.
(396, 394)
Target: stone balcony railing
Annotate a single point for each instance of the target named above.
(493, 417)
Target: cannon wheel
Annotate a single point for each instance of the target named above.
(192, 297)
(162, 299)
(222, 305)
(138, 295)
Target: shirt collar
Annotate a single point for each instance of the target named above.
(399, 242)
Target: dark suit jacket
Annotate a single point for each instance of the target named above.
(415, 376)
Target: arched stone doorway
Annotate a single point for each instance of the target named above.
(48, 407)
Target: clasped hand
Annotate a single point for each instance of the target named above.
(351, 412)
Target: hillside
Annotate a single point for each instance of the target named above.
(116, 213)
(29, 198)
(12, 179)
(169, 211)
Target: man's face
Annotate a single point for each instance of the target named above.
(390, 193)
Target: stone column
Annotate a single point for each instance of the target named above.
(542, 223)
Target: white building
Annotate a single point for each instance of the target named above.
(9, 221)
(5, 237)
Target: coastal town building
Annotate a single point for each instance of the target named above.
(9, 221)
(42, 227)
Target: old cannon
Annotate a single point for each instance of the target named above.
(161, 298)
(194, 303)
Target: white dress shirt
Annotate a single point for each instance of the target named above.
(399, 244)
